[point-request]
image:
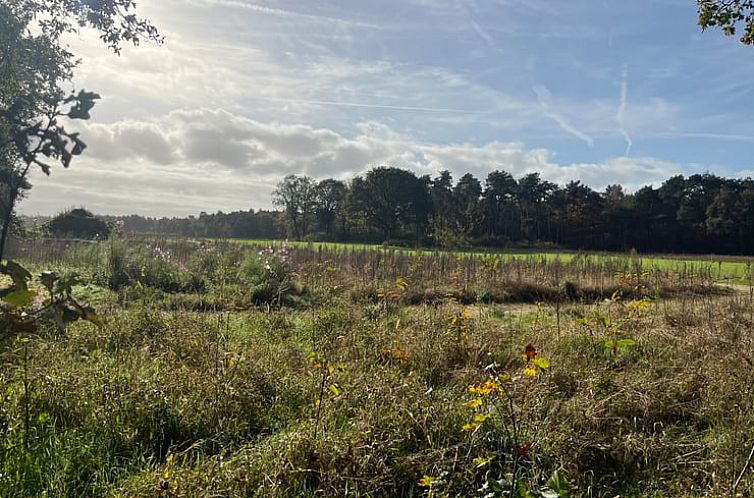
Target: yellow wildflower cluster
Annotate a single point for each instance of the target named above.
(637, 306)
(483, 391)
(485, 388)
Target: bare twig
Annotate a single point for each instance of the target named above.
(743, 471)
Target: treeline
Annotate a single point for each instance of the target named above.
(701, 213)
(235, 225)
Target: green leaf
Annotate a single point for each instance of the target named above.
(626, 343)
(17, 273)
(84, 104)
(495, 485)
(90, 315)
(65, 158)
(541, 363)
(482, 461)
(20, 298)
(559, 484)
(523, 491)
(65, 283)
(78, 145)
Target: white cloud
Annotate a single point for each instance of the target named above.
(128, 139)
(208, 159)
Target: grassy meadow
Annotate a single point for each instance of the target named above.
(225, 369)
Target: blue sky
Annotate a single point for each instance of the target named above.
(244, 92)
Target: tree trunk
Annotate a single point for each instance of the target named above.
(8, 215)
(14, 187)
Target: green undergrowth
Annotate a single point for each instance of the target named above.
(164, 404)
(347, 381)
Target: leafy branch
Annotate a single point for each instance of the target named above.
(728, 15)
(22, 308)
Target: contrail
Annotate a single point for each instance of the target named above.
(708, 136)
(543, 96)
(471, 13)
(482, 33)
(620, 116)
(262, 9)
(377, 106)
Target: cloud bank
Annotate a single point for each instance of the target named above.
(194, 160)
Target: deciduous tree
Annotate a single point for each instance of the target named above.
(297, 195)
(36, 69)
(330, 197)
(732, 16)
(392, 199)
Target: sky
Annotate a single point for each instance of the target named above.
(244, 92)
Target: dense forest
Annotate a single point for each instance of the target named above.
(702, 213)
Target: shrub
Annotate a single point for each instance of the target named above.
(268, 275)
(79, 224)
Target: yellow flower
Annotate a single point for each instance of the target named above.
(473, 404)
(481, 461)
(530, 371)
(471, 427)
(481, 417)
(427, 481)
(485, 388)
